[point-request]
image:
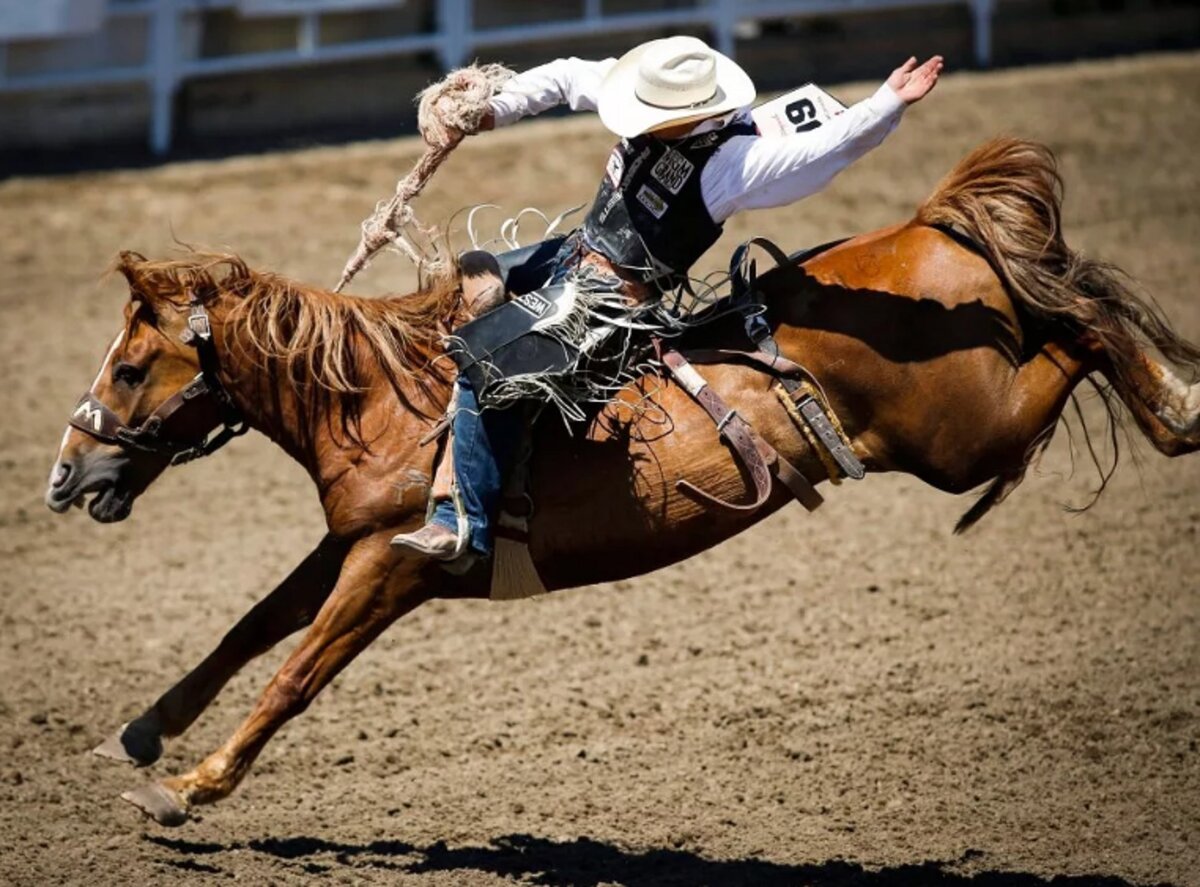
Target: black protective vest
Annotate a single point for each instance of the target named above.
(649, 213)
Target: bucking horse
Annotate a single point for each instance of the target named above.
(947, 345)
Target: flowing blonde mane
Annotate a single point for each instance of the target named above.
(332, 345)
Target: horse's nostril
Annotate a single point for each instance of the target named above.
(62, 471)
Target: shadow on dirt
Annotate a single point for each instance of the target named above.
(584, 862)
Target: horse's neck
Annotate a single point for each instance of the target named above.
(258, 385)
(309, 425)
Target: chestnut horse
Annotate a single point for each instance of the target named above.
(948, 345)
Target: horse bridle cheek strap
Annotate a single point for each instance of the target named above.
(93, 417)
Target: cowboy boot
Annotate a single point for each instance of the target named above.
(482, 281)
(432, 540)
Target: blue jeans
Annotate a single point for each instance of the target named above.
(484, 443)
(486, 440)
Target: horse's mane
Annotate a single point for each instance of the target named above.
(331, 345)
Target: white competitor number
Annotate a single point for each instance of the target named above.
(801, 110)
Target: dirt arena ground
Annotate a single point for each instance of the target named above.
(856, 698)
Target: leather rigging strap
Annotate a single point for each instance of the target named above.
(758, 457)
(760, 360)
(743, 273)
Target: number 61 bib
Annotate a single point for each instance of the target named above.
(801, 110)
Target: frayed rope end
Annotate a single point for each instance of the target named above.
(448, 110)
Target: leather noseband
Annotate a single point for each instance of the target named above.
(93, 417)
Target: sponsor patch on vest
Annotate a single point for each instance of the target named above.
(534, 304)
(615, 167)
(613, 200)
(636, 163)
(709, 138)
(655, 204)
(672, 171)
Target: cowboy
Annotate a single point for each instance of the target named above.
(689, 158)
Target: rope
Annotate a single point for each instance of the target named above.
(448, 110)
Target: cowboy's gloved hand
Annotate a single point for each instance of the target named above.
(913, 83)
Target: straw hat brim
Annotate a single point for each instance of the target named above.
(622, 112)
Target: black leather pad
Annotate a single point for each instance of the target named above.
(503, 342)
(524, 270)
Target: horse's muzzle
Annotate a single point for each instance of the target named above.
(97, 474)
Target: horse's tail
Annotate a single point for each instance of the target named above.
(1006, 196)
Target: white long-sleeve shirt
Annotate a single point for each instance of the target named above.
(747, 172)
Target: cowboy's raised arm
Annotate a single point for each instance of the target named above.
(757, 173)
(571, 81)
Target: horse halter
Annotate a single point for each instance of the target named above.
(93, 417)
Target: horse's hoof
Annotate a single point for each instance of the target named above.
(159, 803)
(134, 744)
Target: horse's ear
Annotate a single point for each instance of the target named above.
(130, 264)
(143, 288)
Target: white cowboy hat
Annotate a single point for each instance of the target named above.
(671, 81)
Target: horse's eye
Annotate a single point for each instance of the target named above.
(129, 374)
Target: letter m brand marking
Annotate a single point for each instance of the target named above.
(91, 415)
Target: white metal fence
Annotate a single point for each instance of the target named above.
(169, 32)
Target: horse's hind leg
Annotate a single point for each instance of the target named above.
(373, 590)
(1026, 411)
(1166, 408)
(291, 606)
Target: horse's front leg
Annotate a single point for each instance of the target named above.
(291, 606)
(373, 590)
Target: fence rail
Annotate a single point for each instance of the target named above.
(168, 60)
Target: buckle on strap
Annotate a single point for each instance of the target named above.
(209, 445)
(199, 326)
(196, 387)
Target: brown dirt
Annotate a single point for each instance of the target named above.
(855, 698)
